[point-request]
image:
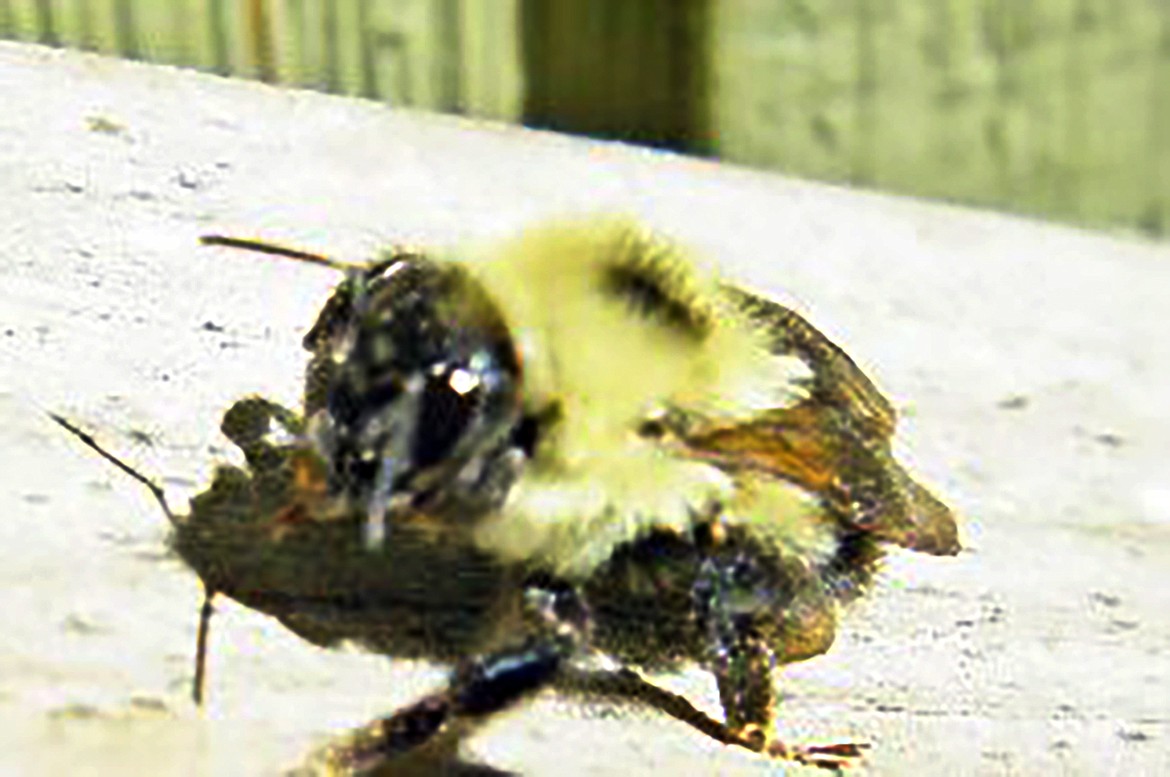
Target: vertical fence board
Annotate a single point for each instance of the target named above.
(1154, 215)
(257, 26)
(366, 52)
(329, 42)
(865, 92)
(217, 31)
(126, 29)
(8, 26)
(305, 55)
(492, 78)
(634, 71)
(86, 32)
(449, 48)
(183, 39)
(46, 23)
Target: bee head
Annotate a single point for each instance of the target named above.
(419, 387)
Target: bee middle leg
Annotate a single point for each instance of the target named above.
(429, 730)
(477, 689)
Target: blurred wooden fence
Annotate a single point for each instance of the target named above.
(1058, 108)
(1050, 107)
(447, 55)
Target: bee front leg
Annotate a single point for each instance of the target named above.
(249, 422)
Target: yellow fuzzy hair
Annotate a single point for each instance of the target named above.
(609, 366)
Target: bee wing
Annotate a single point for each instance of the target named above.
(823, 450)
(933, 523)
(836, 381)
(835, 443)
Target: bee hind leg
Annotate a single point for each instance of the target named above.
(733, 597)
(626, 685)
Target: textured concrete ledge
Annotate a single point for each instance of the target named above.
(1030, 363)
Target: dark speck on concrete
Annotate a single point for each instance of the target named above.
(182, 482)
(147, 703)
(75, 624)
(104, 125)
(1127, 735)
(1015, 402)
(141, 437)
(76, 712)
(1106, 600)
(1110, 439)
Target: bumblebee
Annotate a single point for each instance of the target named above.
(556, 464)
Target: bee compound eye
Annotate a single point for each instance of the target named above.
(445, 414)
(344, 404)
(359, 469)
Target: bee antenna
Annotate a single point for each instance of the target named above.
(274, 249)
(205, 613)
(209, 591)
(154, 489)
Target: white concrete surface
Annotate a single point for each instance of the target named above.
(1030, 363)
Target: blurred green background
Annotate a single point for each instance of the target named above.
(1056, 108)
